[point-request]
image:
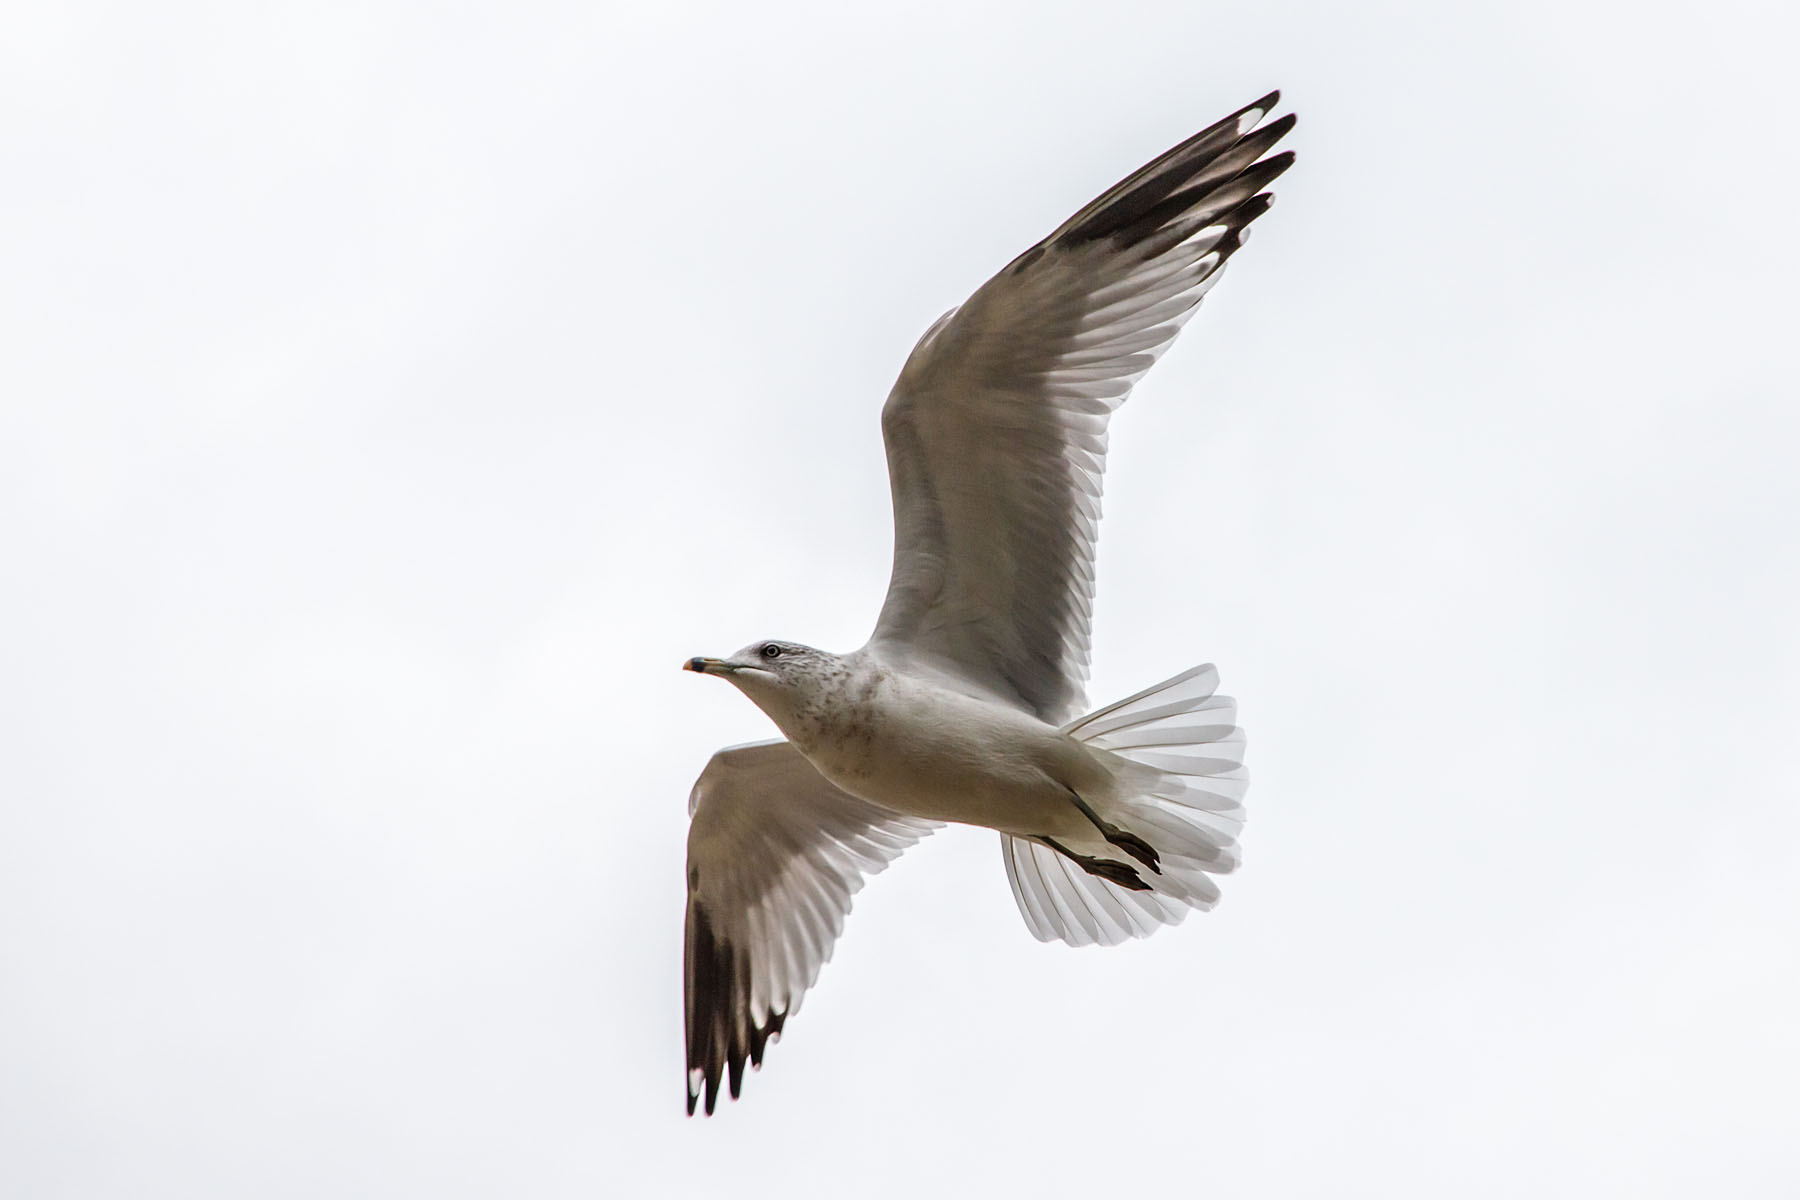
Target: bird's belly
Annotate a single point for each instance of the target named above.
(947, 760)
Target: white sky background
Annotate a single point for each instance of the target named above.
(394, 396)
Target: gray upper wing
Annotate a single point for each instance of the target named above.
(996, 428)
(775, 852)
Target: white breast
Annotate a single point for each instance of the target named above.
(927, 751)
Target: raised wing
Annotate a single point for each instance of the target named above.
(775, 851)
(996, 429)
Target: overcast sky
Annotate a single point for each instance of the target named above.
(394, 395)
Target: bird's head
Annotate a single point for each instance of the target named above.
(779, 676)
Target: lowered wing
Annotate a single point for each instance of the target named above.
(775, 852)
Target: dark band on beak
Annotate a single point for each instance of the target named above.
(696, 664)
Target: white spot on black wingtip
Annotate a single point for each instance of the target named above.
(1258, 109)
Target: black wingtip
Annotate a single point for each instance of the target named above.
(1285, 160)
(1223, 156)
(1277, 129)
(1248, 211)
(722, 1034)
(1262, 108)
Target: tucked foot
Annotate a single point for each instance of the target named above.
(1130, 843)
(1112, 872)
(1135, 846)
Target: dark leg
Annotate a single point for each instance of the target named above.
(1112, 872)
(1130, 843)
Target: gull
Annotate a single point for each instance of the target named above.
(966, 704)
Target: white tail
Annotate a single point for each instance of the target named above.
(1180, 756)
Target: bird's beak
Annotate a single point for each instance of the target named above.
(709, 666)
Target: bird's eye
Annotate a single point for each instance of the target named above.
(771, 650)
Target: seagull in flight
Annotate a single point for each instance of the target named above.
(966, 704)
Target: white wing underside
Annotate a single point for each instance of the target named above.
(996, 428)
(775, 853)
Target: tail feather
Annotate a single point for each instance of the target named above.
(1180, 757)
(1191, 691)
(1057, 902)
